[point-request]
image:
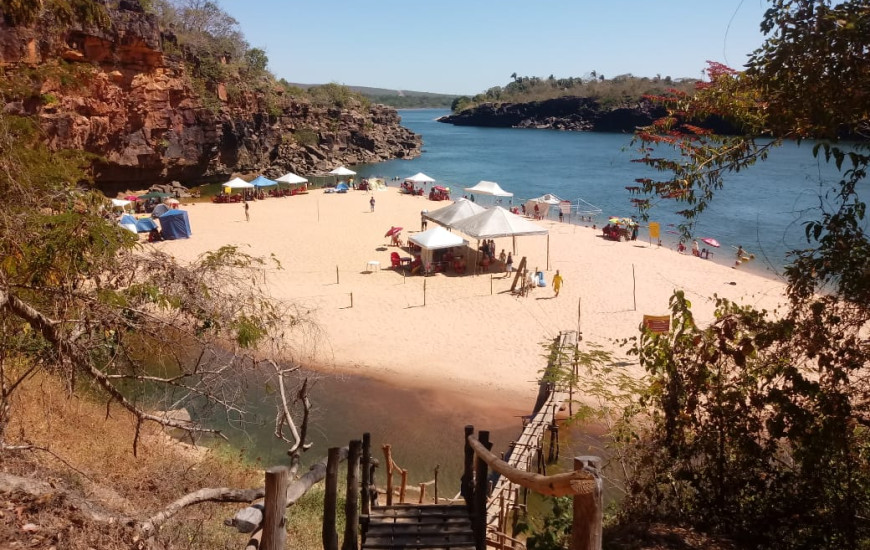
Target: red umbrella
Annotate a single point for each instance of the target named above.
(131, 198)
(710, 241)
(392, 231)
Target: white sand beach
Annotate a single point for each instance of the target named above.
(472, 334)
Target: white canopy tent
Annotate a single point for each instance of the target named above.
(342, 171)
(489, 188)
(497, 222)
(436, 238)
(292, 179)
(544, 203)
(449, 215)
(549, 198)
(420, 177)
(238, 183)
(121, 203)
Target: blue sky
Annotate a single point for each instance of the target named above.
(465, 47)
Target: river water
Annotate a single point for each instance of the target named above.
(762, 209)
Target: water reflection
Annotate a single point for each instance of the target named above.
(423, 426)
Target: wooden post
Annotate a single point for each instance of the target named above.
(490, 284)
(588, 506)
(424, 292)
(351, 503)
(422, 492)
(403, 486)
(437, 467)
(274, 534)
(481, 491)
(351, 300)
(329, 535)
(633, 287)
(373, 495)
(336, 274)
(366, 472)
(548, 251)
(465, 483)
(388, 457)
(554, 437)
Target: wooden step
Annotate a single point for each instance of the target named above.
(419, 527)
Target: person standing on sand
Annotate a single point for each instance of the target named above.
(423, 221)
(247, 214)
(557, 282)
(509, 264)
(372, 204)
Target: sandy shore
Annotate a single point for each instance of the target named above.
(472, 335)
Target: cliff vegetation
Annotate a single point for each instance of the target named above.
(162, 90)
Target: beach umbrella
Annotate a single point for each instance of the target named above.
(420, 177)
(131, 198)
(711, 242)
(392, 231)
(614, 219)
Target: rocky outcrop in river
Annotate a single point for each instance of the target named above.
(583, 114)
(563, 113)
(112, 90)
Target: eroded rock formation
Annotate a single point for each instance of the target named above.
(113, 92)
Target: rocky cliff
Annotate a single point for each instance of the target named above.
(565, 113)
(113, 91)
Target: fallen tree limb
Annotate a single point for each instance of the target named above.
(214, 494)
(248, 519)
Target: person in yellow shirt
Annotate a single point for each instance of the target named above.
(557, 282)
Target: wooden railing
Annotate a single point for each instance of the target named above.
(583, 483)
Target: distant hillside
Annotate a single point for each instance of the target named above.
(400, 99)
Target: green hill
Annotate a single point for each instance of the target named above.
(400, 99)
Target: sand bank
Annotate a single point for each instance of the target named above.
(472, 335)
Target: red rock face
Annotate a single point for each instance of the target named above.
(116, 94)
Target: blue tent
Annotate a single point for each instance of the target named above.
(341, 188)
(260, 181)
(174, 225)
(142, 226)
(145, 225)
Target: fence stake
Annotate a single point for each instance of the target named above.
(424, 292)
(336, 274)
(367, 480)
(351, 300)
(329, 535)
(633, 287)
(274, 534)
(351, 503)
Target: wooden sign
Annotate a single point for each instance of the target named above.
(658, 324)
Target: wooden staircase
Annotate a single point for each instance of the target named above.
(425, 527)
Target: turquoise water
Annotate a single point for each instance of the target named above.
(763, 208)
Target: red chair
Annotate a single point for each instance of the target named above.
(395, 260)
